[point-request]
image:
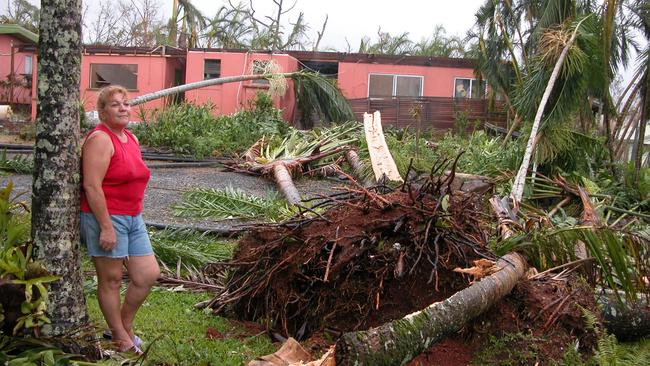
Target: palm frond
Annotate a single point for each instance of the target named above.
(231, 203)
(190, 247)
(621, 257)
(317, 94)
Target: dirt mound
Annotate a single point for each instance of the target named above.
(537, 323)
(368, 259)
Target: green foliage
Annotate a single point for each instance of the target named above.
(177, 334)
(19, 164)
(189, 247)
(189, 129)
(32, 352)
(508, 349)
(232, 203)
(611, 353)
(317, 94)
(17, 266)
(620, 257)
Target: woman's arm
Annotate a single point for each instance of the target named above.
(97, 152)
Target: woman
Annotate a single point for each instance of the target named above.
(114, 180)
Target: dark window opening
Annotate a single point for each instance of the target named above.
(102, 75)
(211, 69)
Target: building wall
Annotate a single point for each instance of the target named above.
(437, 82)
(21, 94)
(231, 97)
(154, 73)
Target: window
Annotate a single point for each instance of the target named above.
(261, 67)
(102, 75)
(28, 65)
(386, 85)
(211, 69)
(469, 88)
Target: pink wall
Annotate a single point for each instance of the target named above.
(438, 81)
(154, 73)
(21, 94)
(231, 97)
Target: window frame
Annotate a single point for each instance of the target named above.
(394, 86)
(29, 71)
(256, 70)
(205, 61)
(471, 88)
(128, 87)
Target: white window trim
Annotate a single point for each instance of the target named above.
(395, 76)
(471, 81)
(31, 65)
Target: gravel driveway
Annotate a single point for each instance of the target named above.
(168, 184)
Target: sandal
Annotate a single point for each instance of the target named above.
(137, 341)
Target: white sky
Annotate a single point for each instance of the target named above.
(353, 19)
(350, 20)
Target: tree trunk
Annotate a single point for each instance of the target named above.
(56, 182)
(397, 342)
(285, 184)
(203, 83)
(517, 191)
(358, 167)
(640, 142)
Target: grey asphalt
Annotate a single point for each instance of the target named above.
(168, 184)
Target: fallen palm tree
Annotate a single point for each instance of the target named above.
(367, 259)
(286, 160)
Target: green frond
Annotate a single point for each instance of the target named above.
(620, 257)
(318, 94)
(231, 203)
(190, 247)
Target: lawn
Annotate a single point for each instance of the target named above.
(178, 334)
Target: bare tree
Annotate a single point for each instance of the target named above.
(127, 23)
(23, 13)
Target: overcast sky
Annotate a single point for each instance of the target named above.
(352, 19)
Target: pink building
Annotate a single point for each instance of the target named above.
(17, 66)
(228, 98)
(140, 70)
(392, 84)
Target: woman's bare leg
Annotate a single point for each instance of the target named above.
(109, 278)
(143, 272)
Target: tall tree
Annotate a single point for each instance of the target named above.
(641, 20)
(186, 24)
(23, 13)
(56, 181)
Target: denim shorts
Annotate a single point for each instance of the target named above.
(131, 232)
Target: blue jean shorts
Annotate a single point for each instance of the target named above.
(132, 237)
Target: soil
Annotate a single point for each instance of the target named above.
(366, 260)
(546, 316)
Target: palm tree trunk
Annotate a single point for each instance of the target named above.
(397, 342)
(203, 83)
(56, 182)
(517, 191)
(640, 142)
(285, 184)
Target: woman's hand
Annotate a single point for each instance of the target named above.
(107, 239)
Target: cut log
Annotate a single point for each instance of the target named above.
(380, 157)
(399, 341)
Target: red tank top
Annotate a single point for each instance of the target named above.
(126, 178)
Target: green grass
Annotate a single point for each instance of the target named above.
(177, 332)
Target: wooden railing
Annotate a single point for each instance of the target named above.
(432, 112)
